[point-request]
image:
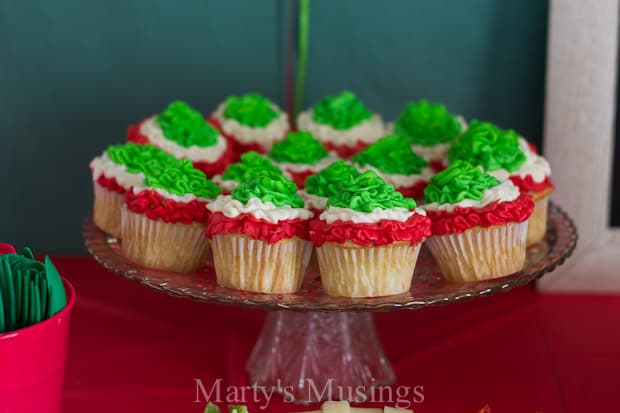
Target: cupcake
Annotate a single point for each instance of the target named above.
(368, 239)
(505, 155)
(164, 220)
(251, 122)
(343, 123)
(324, 184)
(301, 155)
(393, 160)
(259, 236)
(429, 128)
(182, 132)
(251, 164)
(479, 223)
(114, 172)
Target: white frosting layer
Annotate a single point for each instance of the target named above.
(398, 180)
(302, 167)
(185, 198)
(103, 165)
(313, 201)
(151, 129)
(368, 131)
(333, 214)
(267, 211)
(534, 165)
(265, 136)
(504, 192)
(226, 184)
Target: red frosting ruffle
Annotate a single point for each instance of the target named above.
(110, 184)
(437, 165)
(345, 151)
(255, 228)
(497, 213)
(134, 135)
(155, 206)
(299, 178)
(386, 232)
(414, 191)
(527, 185)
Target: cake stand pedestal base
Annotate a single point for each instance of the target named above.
(315, 356)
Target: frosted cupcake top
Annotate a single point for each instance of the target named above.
(466, 186)
(342, 120)
(271, 198)
(392, 157)
(427, 124)
(300, 151)
(184, 133)
(325, 183)
(128, 163)
(252, 118)
(251, 164)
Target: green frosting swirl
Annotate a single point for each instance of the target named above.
(186, 126)
(140, 158)
(326, 182)
(459, 181)
(489, 146)
(427, 124)
(366, 192)
(342, 111)
(182, 179)
(269, 188)
(251, 164)
(391, 155)
(251, 110)
(298, 147)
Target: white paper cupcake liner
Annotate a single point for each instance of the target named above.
(107, 209)
(350, 270)
(165, 246)
(480, 253)
(537, 227)
(258, 266)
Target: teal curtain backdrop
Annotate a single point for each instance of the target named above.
(74, 74)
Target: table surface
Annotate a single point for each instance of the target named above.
(135, 350)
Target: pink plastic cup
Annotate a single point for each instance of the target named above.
(32, 363)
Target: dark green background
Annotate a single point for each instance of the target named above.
(74, 74)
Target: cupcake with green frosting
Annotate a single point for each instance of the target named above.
(116, 171)
(320, 186)
(259, 236)
(368, 238)
(251, 122)
(479, 223)
(183, 132)
(430, 129)
(391, 158)
(505, 155)
(300, 155)
(164, 220)
(250, 164)
(342, 123)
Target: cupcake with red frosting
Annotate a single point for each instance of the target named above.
(250, 164)
(259, 236)
(479, 223)
(164, 220)
(183, 132)
(393, 160)
(368, 239)
(430, 129)
(342, 123)
(300, 155)
(251, 122)
(114, 172)
(504, 155)
(324, 184)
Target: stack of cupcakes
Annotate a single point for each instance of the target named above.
(343, 123)
(183, 132)
(505, 155)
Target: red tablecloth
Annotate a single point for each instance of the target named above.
(135, 350)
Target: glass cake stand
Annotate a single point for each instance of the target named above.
(312, 344)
